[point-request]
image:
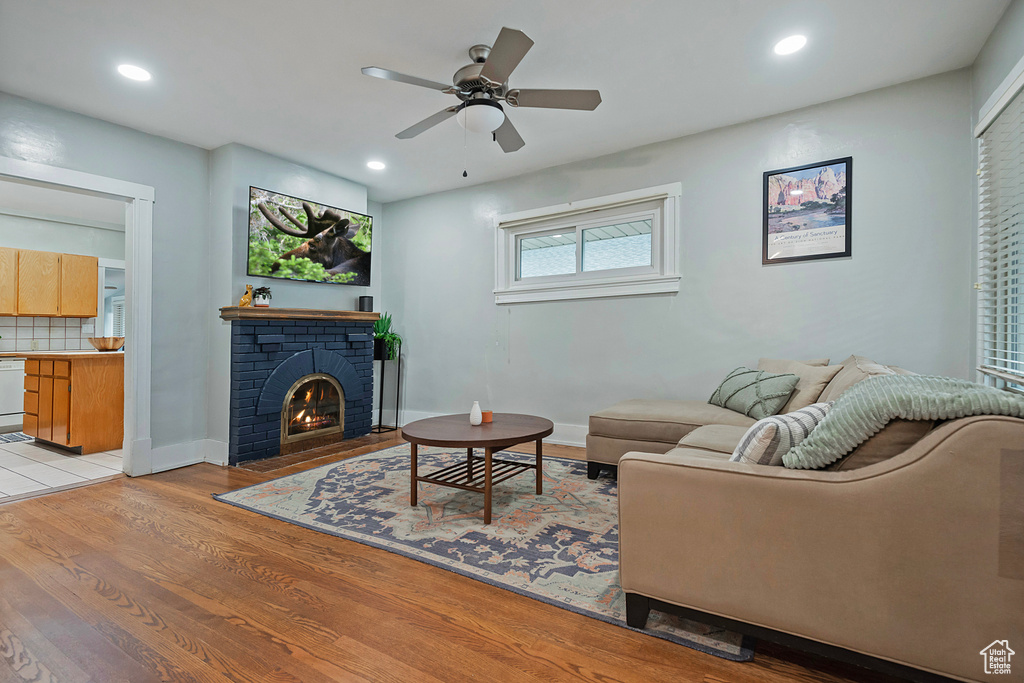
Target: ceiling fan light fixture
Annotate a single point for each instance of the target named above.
(480, 116)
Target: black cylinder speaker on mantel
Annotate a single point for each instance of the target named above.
(366, 303)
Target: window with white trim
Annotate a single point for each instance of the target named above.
(1001, 249)
(619, 245)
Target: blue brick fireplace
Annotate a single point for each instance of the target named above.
(268, 357)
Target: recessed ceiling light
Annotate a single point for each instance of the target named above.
(376, 165)
(136, 73)
(788, 46)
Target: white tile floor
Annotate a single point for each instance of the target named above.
(27, 468)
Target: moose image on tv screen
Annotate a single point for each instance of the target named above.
(295, 239)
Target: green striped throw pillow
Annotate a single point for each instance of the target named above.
(769, 439)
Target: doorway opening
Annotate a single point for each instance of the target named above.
(75, 327)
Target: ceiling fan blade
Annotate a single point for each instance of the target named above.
(509, 49)
(555, 99)
(389, 75)
(508, 137)
(427, 123)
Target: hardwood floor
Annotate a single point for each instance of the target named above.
(150, 579)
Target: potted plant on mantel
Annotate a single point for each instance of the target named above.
(261, 297)
(385, 341)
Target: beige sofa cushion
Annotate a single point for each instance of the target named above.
(813, 380)
(895, 437)
(691, 452)
(608, 449)
(718, 438)
(661, 420)
(854, 369)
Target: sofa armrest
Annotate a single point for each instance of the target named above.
(911, 559)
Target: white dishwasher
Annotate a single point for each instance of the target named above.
(12, 393)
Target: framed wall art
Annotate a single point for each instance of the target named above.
(807, 212)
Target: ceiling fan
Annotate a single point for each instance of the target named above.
(483, 85)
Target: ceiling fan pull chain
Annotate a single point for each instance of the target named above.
(465, 153)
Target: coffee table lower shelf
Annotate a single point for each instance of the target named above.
(477, 474)
(464, 475)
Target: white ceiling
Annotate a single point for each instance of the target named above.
(284, 76)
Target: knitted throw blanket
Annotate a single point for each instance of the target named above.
(864, 409)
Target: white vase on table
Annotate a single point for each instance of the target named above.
(475, 415)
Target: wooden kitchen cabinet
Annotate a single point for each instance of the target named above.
(79, 286)
(8, 281)
(38, 283)
(42, 283)
(75, 400)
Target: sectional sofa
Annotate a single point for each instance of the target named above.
(912, 561)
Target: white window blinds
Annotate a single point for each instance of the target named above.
(118, 309)
(1001, 249)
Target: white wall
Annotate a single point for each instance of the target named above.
(903, 298)
(22, 232)
(178, 172)
(1001, 52)
(233, 168)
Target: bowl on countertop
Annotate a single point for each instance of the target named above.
(107, 343)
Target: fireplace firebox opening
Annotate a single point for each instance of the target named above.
(314, 407)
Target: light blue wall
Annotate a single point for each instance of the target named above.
(233, 168)
(904, 297)
(1001, 52)
(22, 232)
(178, 172)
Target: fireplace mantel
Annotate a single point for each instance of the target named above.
(271, 313)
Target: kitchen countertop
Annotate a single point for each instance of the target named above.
(59, 355)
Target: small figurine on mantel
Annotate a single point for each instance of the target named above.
(261, 297)
(246, 299)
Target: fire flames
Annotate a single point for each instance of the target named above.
(314, 408)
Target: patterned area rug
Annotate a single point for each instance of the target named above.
(560, 547)
(14, 437)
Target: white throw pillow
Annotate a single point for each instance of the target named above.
(769, 439)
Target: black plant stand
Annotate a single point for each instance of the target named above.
(380, 352)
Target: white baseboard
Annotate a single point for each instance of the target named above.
(564, 434)
(140, 458)
(569, 435)
(176, 455)
(190, 453)
(215, 452)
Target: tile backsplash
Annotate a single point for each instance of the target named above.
(51, 334)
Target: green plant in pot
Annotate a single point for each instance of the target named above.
(385, 340)
(261, 296)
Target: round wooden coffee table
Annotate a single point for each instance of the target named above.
(507, 429)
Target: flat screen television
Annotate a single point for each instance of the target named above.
(295, 239)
